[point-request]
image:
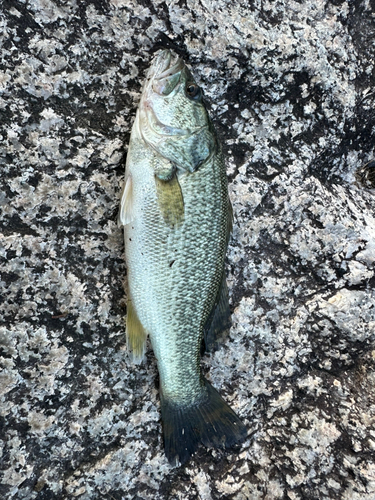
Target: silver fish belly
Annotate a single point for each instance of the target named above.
(177, 217)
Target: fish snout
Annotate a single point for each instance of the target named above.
(165, 72)
(170, 64)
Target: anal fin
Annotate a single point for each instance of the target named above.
(136, 335)
(219, 321)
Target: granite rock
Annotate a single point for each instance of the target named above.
(290, 90)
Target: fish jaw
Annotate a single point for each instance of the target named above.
(165, 72)
(163, 75)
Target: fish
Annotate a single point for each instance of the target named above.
(177, 219)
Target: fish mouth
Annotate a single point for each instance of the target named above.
(166, 64)
(165, 72)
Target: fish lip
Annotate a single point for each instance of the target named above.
(166, 64)
(173, 66)
(164, 74)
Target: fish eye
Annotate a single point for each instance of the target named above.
(192, 90)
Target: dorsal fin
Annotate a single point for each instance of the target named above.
(230, 219)
(219, 321)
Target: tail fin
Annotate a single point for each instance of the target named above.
(211, 422)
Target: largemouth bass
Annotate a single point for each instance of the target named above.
(177, 218)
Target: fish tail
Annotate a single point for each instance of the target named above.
(210, 421)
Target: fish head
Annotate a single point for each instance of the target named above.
(173, 119)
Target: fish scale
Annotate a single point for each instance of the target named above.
(176, 214)
(171, 302)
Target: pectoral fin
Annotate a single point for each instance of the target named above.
(218, 322)
(170, 199)
(136, 335)
(126, 214)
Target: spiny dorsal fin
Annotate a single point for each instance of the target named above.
(170, 200)
(136, 335)
(126, 214)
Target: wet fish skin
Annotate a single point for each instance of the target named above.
(177, 217)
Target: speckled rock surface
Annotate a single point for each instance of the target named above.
(290, 88)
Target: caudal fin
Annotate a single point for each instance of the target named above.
(210, 422)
